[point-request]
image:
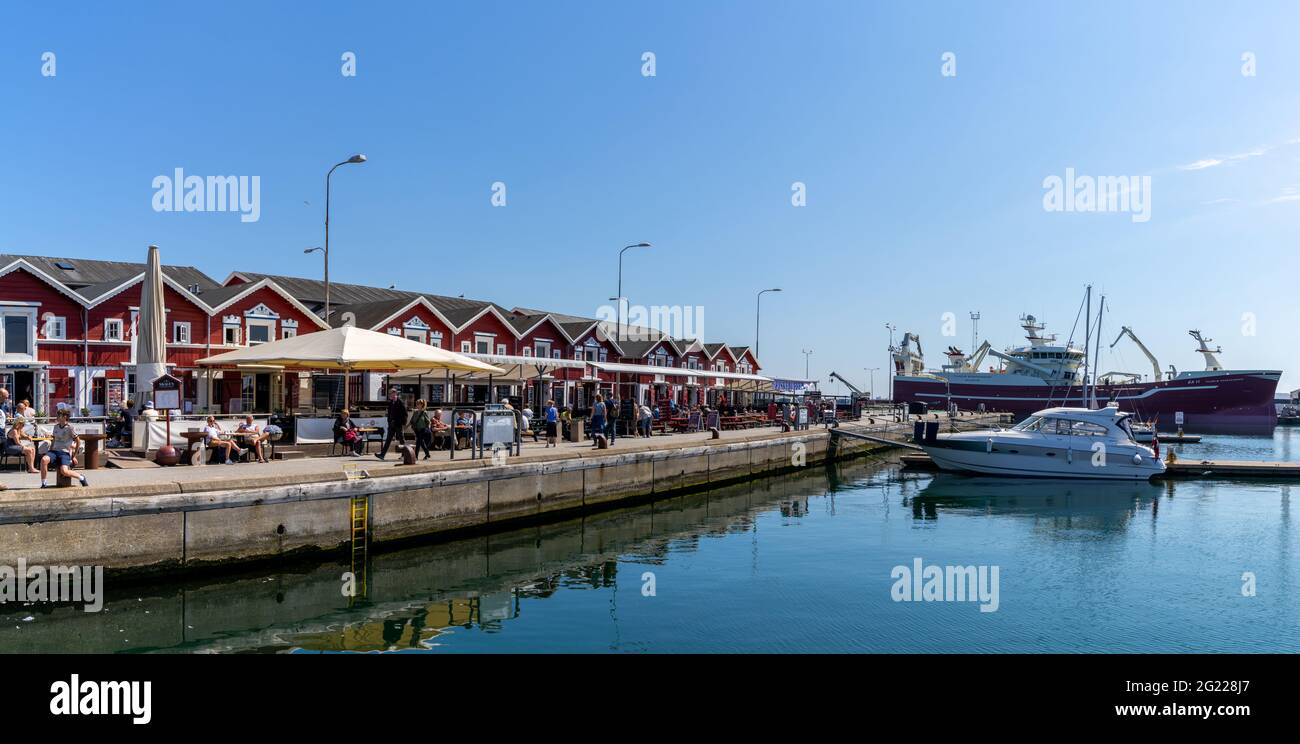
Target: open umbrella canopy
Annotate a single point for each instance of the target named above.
(350, 349)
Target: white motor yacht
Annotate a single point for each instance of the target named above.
(1052, 443)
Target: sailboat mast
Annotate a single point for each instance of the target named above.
(1087, 341)
(1101, 308)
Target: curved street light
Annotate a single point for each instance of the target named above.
(620, 296)
(358, 158)
(758, 307)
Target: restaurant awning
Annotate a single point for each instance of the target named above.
(646, 369)
(509, 368)
(348, 349)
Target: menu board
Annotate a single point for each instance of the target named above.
(167, 393)
(114, 394)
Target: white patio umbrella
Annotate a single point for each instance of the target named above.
(349, 349)
(150, 330)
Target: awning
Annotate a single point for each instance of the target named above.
(511, 368)
(643, 369)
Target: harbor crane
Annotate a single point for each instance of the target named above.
(853, 388)
(1155, 365)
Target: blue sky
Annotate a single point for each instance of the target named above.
(924, 192)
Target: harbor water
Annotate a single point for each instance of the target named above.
(808, 562)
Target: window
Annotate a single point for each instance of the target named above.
(231, 335)
(113, 329)
(97, 396)
(17, 338)
(180, 333)
(288, 333)
(436, 339)
(483, 343)
(501, 349)
(258, 333)
(528, 351)
(416, 336)
(543, 348)
(464, 347)
(556, 353)
(56, 328)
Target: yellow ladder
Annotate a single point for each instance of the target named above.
(360, 533)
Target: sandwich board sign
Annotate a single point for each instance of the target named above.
(167, 393)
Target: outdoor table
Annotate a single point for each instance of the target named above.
(92, 450)
(364, 431)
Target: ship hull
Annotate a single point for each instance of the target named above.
(1220, 402)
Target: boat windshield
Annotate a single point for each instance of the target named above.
(1124, 427)
(1030, 424)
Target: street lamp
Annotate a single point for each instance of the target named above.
(358, 158)
(758, 307)
(871, 388)
(620, 284)
(806, 353)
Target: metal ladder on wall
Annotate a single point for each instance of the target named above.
(360, 542)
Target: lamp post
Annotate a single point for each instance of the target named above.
(620, 284)
(891, 328)
(871, 387)
(758, 307)
(806, 353)
(358, 158)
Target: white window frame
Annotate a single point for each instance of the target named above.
(225, 334)
(288, 332)
(466, 347)
(177, 327)
(435, 339)
(27, 312)
(501, 349)
(58, 328)
(487, 339)
(268, 324)
(114, 323)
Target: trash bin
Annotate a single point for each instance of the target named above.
(575, 430)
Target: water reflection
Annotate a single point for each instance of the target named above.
(821, 568)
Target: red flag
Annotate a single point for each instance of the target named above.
(1155, 441)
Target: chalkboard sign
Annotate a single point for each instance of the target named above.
(627, 409)
(167, 393)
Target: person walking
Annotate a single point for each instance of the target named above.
(597, 419)
(611, 417)
(396, 422)
(422, 427)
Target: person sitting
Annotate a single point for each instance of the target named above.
(527, 416)
(439, 429)
(149, 411)
(63, 452)
(19, 443)
(345, 432)
(465, 428)
(215, 438)
(257, 436)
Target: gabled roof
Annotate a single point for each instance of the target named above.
(712, 350)
(457, 312)
(86, 272)
(227, 296)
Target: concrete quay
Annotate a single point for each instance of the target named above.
(176, 519)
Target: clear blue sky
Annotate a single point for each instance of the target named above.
(924, 192)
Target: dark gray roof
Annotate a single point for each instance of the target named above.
(311, 292)
(370, 313)
(713, 349)
(107, 274)
(218, 295)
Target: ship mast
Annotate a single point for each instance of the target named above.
(1101, 308)
(1087, 341)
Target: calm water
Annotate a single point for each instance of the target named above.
(795, 564)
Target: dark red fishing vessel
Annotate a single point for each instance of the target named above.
(1044, 374)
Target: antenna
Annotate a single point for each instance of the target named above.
(974, 329)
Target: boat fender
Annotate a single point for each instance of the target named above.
(988, 445)
(1137, 459)
(1069, 456)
